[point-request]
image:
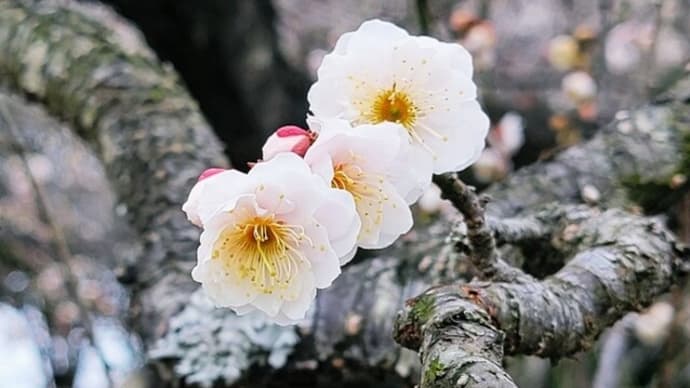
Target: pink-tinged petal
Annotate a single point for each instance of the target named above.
(210, 192)
(301, 147)
(291, 130)
(210, 172)
(289, 138)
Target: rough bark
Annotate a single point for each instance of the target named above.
(153, 142)
(145, 127)
(622, 262)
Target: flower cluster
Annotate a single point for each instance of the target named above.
(388, 111)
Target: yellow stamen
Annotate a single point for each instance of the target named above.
(367, 191)
(392, 105)
(264, 250)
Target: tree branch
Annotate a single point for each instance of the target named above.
(148, 131)
(58, 240)
(483, 254)
(482, 245)
(622, 263)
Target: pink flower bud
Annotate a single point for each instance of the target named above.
(191, 206)
(289, 138)
(209, 172)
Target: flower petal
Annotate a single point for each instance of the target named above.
(297, 309)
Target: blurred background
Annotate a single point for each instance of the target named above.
(550, 73)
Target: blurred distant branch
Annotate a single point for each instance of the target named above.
(651, 55)
(112, 93)
(62, 251)
(615, 346)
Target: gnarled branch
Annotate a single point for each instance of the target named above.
(622, 263)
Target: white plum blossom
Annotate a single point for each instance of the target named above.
(431, 200)
(505, 139)
(289, 138)
(509, 134)
(374, 164)
(380, 73)
(272, 237)
(579, 86)
(387, 111)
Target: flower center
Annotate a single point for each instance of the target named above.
(393, 105)
(263, 250)
(366, 189)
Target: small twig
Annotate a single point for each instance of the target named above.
(464, 330)
(484, 8)
(483, 254)
(599, 67)
(62, 251)
(423, 16)
(517, 230)
(650, 58)
(613, 352)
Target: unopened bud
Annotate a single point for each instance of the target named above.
(289, 138)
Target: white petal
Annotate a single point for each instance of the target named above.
(244, 310)
(379, 231)
(272, 197)
(453, 53)
(285, 161)
(268, 303)
(378, 145)
(288, 175)
(411, 170)
(465, 131)
(321, 164)
(324, 262)
(297, 309)
(191, 206)
(219, 190)
(348, 256)
(339, 217)
(282, 320)
(225, 290)
(374, 34)
(323, 100)
(342, 43)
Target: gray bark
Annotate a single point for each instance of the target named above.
(621, 262)
(153, 142)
